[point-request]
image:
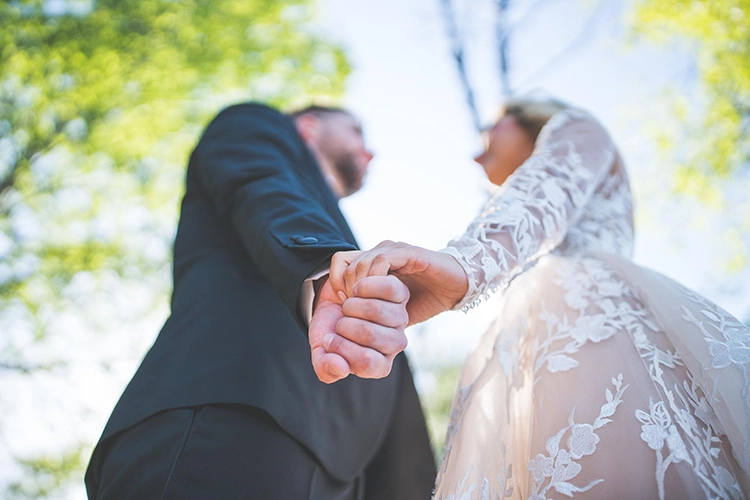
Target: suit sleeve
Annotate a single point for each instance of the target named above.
(249, 162)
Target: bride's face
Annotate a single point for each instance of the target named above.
(507, 146)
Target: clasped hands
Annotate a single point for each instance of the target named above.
(369, 298)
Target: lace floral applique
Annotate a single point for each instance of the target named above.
(656, 430)
(701, 408)
(587, 284)
(605, 223)
(665, 436)
(486, 490)
(506, 473)
(555, 470)
(670, 429)
(728, 342)
(458, 409)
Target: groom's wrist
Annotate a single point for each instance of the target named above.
(309, 292)
(317, 286)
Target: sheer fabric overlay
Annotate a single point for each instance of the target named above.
(599, 378)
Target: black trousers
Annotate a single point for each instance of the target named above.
(229, 452)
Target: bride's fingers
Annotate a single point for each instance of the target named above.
(380, 262)
(353, 266)
(339, 264)
(367, 264)
(378, 266)
(388, 288)
(351, 274)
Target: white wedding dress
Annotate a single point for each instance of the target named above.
(600, 379)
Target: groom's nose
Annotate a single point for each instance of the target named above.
(364, 156)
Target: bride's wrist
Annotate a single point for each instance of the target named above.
(457, 281)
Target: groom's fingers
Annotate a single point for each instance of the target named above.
(377, 316)
(363, 361)
(381, 312)
(329, 367)
(385, 340)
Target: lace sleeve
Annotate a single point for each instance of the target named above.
(531, 213)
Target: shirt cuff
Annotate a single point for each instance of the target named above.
(307, 292)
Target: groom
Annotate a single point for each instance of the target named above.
(226, 404)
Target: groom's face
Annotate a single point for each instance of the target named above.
(341, 143)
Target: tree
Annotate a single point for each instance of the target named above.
(509, 17)
(711, 146)
(100, 103)
(502, 31)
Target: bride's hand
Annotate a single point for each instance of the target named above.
(436, 280)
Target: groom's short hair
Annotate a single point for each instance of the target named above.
(318, 111)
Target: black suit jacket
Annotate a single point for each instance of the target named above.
(257, 219)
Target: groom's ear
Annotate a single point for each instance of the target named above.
(309, 128)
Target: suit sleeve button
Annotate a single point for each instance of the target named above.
(304, 240)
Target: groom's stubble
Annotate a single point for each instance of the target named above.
(340, 145)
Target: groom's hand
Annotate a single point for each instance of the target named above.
(327, 311)
(363, 335)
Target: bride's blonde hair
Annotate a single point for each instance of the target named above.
(532, 113)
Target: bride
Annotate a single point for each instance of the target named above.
(599, 379)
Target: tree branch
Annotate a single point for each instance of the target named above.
(26, 368)
(6, 182)
(458, 56)
(17, 367)
(503, 39)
